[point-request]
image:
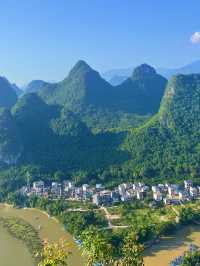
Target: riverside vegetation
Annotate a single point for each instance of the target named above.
(23, 231)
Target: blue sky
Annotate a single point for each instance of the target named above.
(42, 39)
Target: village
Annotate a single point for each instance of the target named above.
(168, 194)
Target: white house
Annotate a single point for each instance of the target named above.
(157, 196)
(193, 192)
(155, 189)
(85, 187)
(188, 184)
(38, 187)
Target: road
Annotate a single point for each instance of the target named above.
(111, 217)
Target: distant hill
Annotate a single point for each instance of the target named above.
(8, 96)
(100, 104)
(34, 86)
(117, 73)
(193, 68)
(142, 92)
(117, 76)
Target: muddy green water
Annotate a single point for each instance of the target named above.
(171, 247)
(14, 253)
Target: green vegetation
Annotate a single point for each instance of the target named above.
(189, 215)
(56, 138)
(102, 106)
(145, 89)
(54, 254)
(82, 128)
(191, 258)
(35, 86)
(168, 145)
(10, 142)
(99, 249)
(144, 226)
(96, 247)
(76, 222)
(21, 230)
(165, 147)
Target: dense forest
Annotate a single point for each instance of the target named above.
(84, 128)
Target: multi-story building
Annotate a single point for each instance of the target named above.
(38, 187)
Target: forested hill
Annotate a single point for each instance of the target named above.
(34, 86)
(8, 97)
(101, 105)
(144, 89)
(84, 87)
(52, 137)
(169, 144)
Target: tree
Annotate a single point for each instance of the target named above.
(96, 247)
(191, 259)
(131, 252)
(54, 254)
(186, 215)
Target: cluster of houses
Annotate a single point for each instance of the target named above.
(167, 193)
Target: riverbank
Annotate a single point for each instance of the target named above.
(23, 231)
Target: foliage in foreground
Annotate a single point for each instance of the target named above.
(192, 259)
(98, 249)
(54, 254)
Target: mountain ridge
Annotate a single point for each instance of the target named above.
(117, 76)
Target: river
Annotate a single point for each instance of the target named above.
(14, 253)
(50, 229)
(171, 247)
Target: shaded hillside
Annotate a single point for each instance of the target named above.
(55, 139)
(143, 91)
(10, 141)
(34, 86)
(8, 96)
